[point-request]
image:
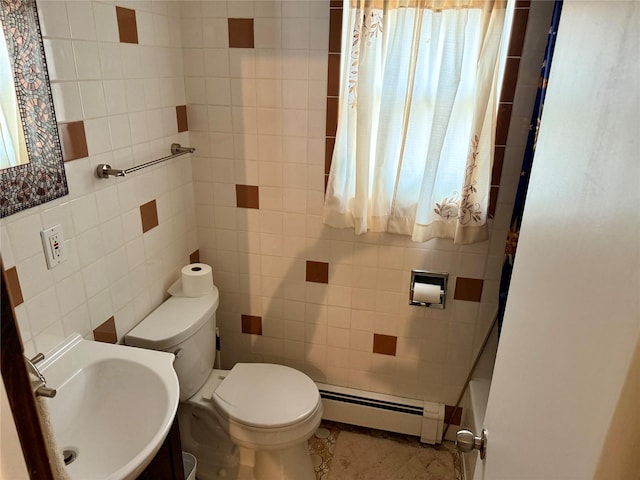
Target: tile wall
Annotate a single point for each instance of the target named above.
(254, 79)
(118, 87)
(293, 290)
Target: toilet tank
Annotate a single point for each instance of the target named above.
(183, 326)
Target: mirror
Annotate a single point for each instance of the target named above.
(42, 178)
(13, 149)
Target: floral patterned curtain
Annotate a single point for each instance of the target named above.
(416, 122)
(527, 163)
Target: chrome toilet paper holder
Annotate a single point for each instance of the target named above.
(429, 278)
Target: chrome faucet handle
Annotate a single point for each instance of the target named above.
(33, 369)
(38, 358)
(43, 391)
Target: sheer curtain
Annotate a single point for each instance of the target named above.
(416, 122)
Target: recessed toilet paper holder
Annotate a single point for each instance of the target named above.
(428, 278)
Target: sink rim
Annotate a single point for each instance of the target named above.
(75, 354)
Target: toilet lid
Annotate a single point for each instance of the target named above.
(266, 395)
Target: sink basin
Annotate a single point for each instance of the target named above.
(114, 406)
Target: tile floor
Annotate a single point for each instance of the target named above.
(383, 455)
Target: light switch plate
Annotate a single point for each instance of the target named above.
(53, 244)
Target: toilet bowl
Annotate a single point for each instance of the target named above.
(268, 411)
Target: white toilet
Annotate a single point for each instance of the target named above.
(269, 411)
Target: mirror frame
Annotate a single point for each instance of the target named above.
(42, 179)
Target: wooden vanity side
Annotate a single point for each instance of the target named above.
(167, 464)
(18, 386)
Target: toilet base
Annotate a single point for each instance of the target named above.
(200, 434)
(220, 459)
(292, 463)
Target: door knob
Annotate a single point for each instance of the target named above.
(466, 441)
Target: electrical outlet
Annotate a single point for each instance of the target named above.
(53, 244)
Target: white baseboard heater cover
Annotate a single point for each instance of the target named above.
(384, 412)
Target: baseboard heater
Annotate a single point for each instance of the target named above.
(384, 412)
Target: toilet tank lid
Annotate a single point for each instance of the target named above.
(173, 321)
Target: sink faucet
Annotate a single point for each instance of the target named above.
(42, 390)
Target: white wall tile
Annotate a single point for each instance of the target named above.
(60, 60)
(215, 32)
(87, 60)
(216, 62)
(53, 19)
(295, 33)
(110, 60)
(105, 22)
(43, 310)
(267, 32)
(25, 236)
(214, 8)
(145, 26)
(66, 99)
(93, 100)
(218, 91)
(81, 22)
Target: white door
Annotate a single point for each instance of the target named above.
(572, 321)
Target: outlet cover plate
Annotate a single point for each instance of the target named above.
(53, 244)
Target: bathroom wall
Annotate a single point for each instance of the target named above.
(254, 78)
(293, 290)
(117, 80)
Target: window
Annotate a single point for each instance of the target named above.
(416, 119)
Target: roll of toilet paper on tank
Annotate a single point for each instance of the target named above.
(426, 293)
(197, 280)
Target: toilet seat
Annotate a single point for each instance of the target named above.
(266, 396)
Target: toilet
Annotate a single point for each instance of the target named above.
(267, 411)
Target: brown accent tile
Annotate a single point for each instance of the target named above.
(469, 289)
(127, 26)
(326, 182)
(181, 117)
(240, 32)
(252, 324)
(336, 3)
(523, 3)
(106, 332)
(317, 272)
(333, 75)
(510, 79)
(194, 257)
(332, 116)
(330, 142)
(518, 31)
(335, 30)
(498, 162)
(149, 216)
(456, 419)
(493, 201)
(384, 344)
(73, 140)
(13, 287)
(502, 123)
(247, 196)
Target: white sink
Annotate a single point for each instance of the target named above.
(114, 405)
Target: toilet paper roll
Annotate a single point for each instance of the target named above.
(426, 293)
(196, 280)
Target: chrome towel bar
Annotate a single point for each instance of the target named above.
(105, 171)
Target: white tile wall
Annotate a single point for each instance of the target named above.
(257, 117)
(126, 95)
(277, 120)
